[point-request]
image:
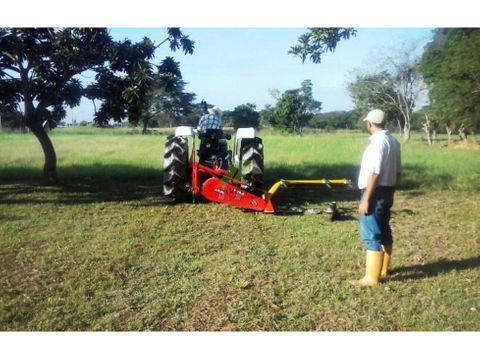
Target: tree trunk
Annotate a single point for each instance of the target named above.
(449, 134)
(50, 166)
(33, 122)
(428, 130)
(462, 133)
(406, 130)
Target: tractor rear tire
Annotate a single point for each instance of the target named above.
(251, 157)
(176, 174)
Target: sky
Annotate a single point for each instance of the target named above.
(233, 66)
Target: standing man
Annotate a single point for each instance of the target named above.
(379, 174)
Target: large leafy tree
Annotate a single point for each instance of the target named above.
(312, 106)
(375, 90)
(295, 108)
(288, 112)
(317, 41)
(395, 88)
(451, 68)
(39, 70)
(335, 120)
(267, 116)
(245, 116)
(167, 101)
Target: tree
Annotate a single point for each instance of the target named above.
(335, 120)
(267, 116)
(295, 108)
(39, 69)
(10, 119)
(245, 116)
(369, 91)
(318, 41)
(167, 102)
(450, 66)
(288, 112)
(312, 106)
(395, 89)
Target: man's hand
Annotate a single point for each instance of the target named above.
(363, 207)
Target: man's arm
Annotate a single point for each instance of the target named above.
(371, 186)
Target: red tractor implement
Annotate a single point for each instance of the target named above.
(221, 175)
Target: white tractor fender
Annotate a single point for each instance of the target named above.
(245, 133)
(184, 131)
(242, 133)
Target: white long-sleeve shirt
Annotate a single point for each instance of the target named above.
(382, 156)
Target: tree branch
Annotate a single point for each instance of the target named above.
(10, 56)
(163, 42)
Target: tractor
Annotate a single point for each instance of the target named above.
(185, 172)
(216, 173)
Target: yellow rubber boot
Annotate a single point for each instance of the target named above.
(387, 258)
(373, 269)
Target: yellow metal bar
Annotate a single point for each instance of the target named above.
(281, 183)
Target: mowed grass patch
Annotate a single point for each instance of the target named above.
(101, 251)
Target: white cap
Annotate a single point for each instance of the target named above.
(215, 110)
(375, 116)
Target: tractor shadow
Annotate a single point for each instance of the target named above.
(83, 184)
(416, 272)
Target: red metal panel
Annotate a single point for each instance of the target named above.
(216, 190)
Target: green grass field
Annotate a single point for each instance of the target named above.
(101, 251)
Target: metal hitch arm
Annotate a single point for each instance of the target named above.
(283, 183)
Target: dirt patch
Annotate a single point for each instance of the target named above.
(466, 145)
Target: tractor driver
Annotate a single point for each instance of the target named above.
(213, 140)
(211, 121)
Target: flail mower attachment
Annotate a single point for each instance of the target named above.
(220, 191)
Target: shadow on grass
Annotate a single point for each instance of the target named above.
(119, 182)
(416, 272)
(122, 182)
(83, 185)
(417, 176)
(300, 196)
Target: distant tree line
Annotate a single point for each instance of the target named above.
(447, 70)
(450, 66)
